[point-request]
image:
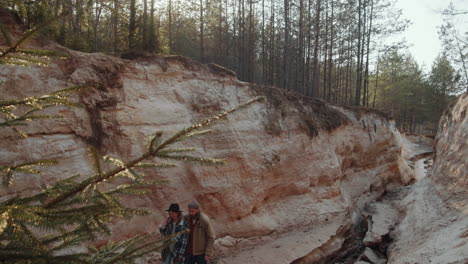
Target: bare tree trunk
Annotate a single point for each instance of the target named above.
(169, 27)
(272, 45)
(132, 26)
(145, 25)
(307, 85)
(241, 45)
(325, 60)
(286, 44)
(250, 68)
(316, 76)
(369, 33)
(263, 44)
(115, 13)
(347, 89)
(330, 56)
(376, 83)
(357, 99)
(96, 26)
(300, 55)
(221, 42)
(202, 34)
(78, 16)
(153, 42)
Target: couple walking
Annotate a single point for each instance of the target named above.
(194, 246)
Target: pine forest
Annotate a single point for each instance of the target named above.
(344, 52)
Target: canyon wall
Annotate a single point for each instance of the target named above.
(435, 226)
(292, 162)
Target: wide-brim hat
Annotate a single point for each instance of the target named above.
(174, 208)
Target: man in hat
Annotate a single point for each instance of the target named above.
(174, 228)
(201, 237)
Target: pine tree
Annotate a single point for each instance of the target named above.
(59, 223)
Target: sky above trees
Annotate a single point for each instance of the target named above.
(426, 18)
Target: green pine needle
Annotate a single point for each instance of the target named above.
(44, 53)
(196, 133)
(28, 60)
(206, 161)
(155, 165)
(95, 160)
(176, 150)
(119, 163)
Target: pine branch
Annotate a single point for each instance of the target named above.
(194, 134)
(7, 172)
(176, 150)
(44, 53)
(135, 188)
(134, 247)
(151, 153)
(74, 211)
(27, 35)
(155, 165)
(207, 161)
(24, 60)
(95, 160)
(51, 99)
(36, 103)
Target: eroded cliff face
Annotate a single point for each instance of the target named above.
(435, 226)
(451, 149)
(292, 163)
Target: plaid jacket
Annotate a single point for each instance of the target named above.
(177, 244)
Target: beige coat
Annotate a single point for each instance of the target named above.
(203, 235)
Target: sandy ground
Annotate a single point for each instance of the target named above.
(286, 248)
(431, 231)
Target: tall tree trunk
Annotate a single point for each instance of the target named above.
(272, 46)
(347, 90)
(366, 76)
(153, 42)
(97, 13)
(286, 44)
(376, 83)
(263, 45)
(316, 76)
(357, 99)
(307, 85)
(251, 48)
(221, 42)
(78, 16)
(132, 26)
(145, 25)
(241, 45)
(115, 24)
(235, 34)
(202, 33)
(169, 27)
(330, 56)
(300, 55)
(325, 60)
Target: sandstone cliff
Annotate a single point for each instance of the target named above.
(435, 228)
(292, 163)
